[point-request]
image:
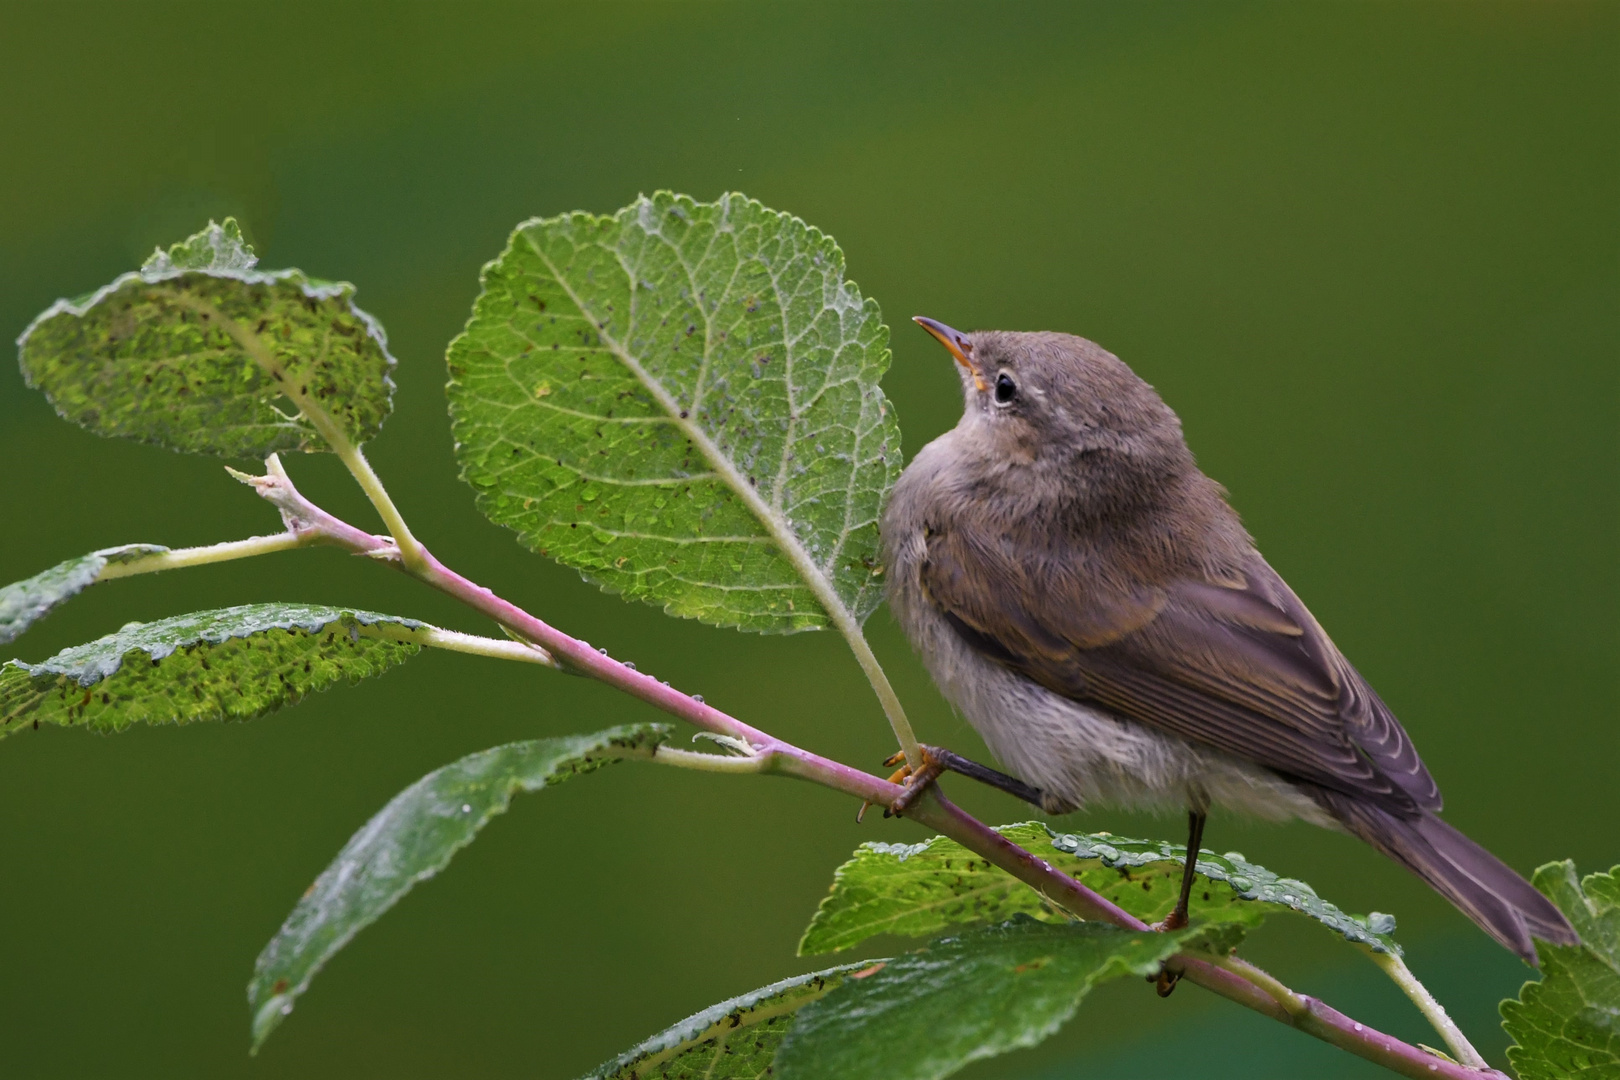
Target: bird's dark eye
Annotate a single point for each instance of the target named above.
(1006, 389)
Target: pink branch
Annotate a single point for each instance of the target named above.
(936, 812)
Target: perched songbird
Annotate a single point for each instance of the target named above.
(1089, 601)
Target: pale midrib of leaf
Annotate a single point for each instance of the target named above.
(781, 533)
(725, 1021)
(324, 425)
(756, 1016)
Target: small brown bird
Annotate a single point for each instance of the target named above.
(1087, 598)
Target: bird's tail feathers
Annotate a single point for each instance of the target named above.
(1483, 887)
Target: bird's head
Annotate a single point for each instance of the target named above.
(1063, 408)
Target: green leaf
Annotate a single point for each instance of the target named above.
(681, 401)
(410, 840)
(199, 352)
(918, 890)
(928, 1013)
(231, 664)
(1144, 876)
(1568, 1024)
(922, 889)
(23, 603)
(734, 1040)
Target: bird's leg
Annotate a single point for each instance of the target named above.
(1166, 981)
(1195, 836)
(937, 760)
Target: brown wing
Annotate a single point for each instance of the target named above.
(1239, 665)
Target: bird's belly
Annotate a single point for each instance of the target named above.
(1081, 755)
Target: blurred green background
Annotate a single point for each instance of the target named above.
(1368, 252)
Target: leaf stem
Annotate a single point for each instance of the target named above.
(354, 459)
(1291, 1002)
(454, 641)
(720, 763)
(932, 810)
(201, 556)
(1432, 1010)
(886, 696)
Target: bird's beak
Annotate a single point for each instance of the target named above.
(956, 343)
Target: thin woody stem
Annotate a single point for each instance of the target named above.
(1238, 981)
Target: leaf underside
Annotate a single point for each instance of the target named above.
(993, 989)
(410, 840)
(923, 889)
(197, 352)
(1568, 1024)
(734, 1040)
(659, 397)
(231, 664)
(23, 603)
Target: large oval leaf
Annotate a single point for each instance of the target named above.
(681, 401)
(410, 840)
(199, 352)
(232, 664)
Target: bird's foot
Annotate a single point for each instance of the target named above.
(1164, 983)
(916, 781)
(936, 759)
(1173, 921)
